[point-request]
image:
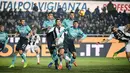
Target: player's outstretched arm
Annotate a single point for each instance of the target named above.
(108, 39)
(104, 41)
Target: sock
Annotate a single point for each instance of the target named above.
(38, 58)
(60, 57)
(129, 59)
(14, 59)
(23, 57)
(121, 50)
(70, 55)
(72, 60)
(54, 55)
(66, 58)
(55, 59)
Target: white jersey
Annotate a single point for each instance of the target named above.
(56, 32)
(120, 35)
(34, 39)
(123, 36)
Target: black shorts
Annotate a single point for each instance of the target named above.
(1, 46)
(50, 40)
(22, 43)
(69, 45)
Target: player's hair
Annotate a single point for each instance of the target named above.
(49, 13)
(112, 29)
(71, 12)
(75, 22)
(21, 20)
(57, 20)
(34, 28)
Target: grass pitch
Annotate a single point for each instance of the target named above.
(85, 65)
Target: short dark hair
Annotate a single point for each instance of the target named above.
(21, 20)
(75, 22)
(34, 28)
(49, 13)
(112, 28)
(57, 20)
(71, 12)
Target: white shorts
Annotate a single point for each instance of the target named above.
(59, 41)
(128, 47)
(32, 48)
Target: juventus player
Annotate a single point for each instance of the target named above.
(34, 44)
(121, 35)
(58, 43)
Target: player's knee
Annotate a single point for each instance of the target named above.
(74, 55)
(20, 52)
(61, 51)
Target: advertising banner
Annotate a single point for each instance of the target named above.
(48, 5)
(88, 48)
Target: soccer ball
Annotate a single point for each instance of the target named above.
(81, 12)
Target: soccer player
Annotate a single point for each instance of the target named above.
(73, 33)
(69, 22)
(121, 35)
(33, 45)
(24, 32)
(3, 38)
(47, 25)
(59, 45)
(123, 29)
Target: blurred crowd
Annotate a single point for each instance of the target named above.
(97, 22)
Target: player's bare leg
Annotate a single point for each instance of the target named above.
(73, 59)
(128, 56)
(23, 57)
(38, 56)
(14, 59)
(119, 51)
(61, 55)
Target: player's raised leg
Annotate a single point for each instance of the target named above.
(119, 51)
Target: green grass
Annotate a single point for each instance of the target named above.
(85, 65)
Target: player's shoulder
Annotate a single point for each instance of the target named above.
(5, 33)
(65, 19)
(121, 27)
(46, 21)
(54, 19)
(17, 26)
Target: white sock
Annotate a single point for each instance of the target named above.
(67, 58)
(38, 58)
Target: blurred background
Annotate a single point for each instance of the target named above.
(93, 22)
